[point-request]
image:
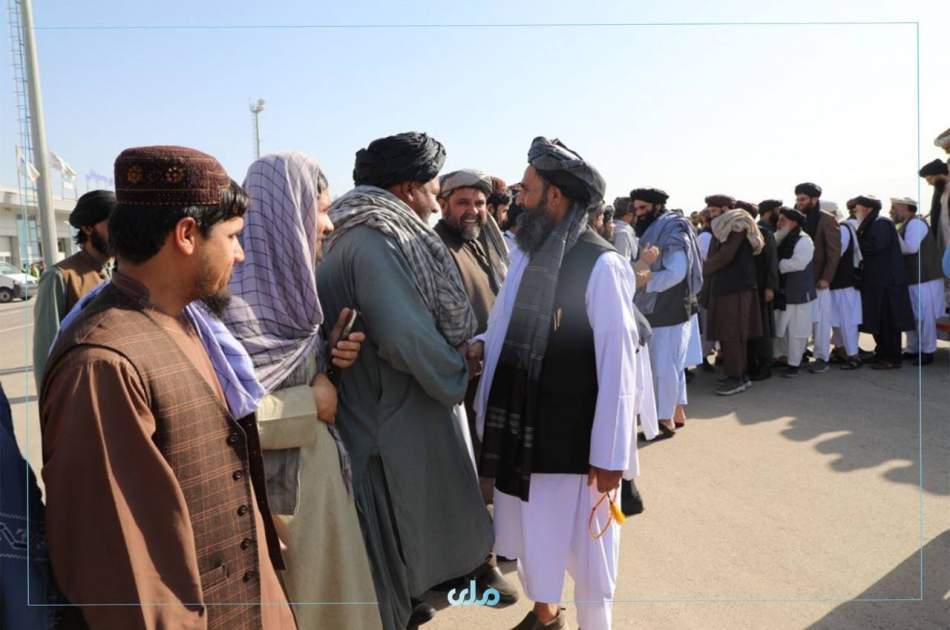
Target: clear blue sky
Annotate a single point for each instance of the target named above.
(745, 110)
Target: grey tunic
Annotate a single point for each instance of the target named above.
(417, 495)
(625, 240)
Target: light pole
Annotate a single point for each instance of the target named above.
(44, 211)
(256, 109)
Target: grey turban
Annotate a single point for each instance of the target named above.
(567, 170)
(465, 178)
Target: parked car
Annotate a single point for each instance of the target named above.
(15, 284)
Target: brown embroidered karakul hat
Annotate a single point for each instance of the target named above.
(169, 176)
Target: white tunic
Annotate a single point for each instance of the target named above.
(797, 319)
(549, 532)
(703, 241)
(846, 303)
(926, 298)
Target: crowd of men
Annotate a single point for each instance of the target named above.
(265, 408)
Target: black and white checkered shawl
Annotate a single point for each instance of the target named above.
(434, 270)
(511, 414)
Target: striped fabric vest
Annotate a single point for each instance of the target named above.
(214, 457)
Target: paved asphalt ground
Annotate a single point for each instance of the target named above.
(797, 504)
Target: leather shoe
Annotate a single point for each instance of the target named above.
(493, 578)
(422, 613)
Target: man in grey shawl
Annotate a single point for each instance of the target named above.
(275, 313)
(416, 490)
(557, 400)
(670, 275)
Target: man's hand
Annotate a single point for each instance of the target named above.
(324, 395)
(643, 277)
(607, 480)
(474, 357)
(823, 284)
(769, 295)
(650, 254)
(343, 352)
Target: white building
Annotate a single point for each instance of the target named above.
(19, 242)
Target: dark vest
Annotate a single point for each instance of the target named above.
(214, 457)
(567, 394)
(738, 276)
(844, 274)
(927, 263)
(935, 208)
(673, 306)
(797, 287)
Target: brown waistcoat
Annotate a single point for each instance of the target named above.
(82, 273)
(214, 457)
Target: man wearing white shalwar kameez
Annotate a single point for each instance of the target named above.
(795, 310)
(703, 241)
(822, 227)
(541, 516)
(548, 534)
(922, 263)
(846, 314)
(671, 265)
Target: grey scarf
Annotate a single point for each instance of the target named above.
(436, 275)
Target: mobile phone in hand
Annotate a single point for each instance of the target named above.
(350, 323)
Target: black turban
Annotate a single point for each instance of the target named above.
(769, 204)
(720, 201)
(809, 189)
(567, 170)
(649, 195)
(937, 167)
(405, 157)
(91, 208)
(868, 202)
(793, 215)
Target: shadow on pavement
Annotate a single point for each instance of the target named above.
(863, 418)
(932, 612)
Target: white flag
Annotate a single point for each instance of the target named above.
(60, 165)
(24, 167)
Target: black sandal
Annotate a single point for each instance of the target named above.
(665, 432)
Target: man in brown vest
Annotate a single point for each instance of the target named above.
(63, 285)
(156, 511)
(481, 256)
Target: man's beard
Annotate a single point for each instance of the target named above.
(469, 232)
(534, 227)
(217, 303)
(99, 244)
(642, 222)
